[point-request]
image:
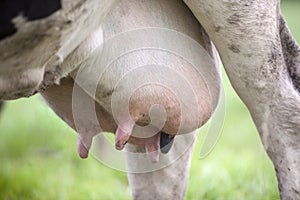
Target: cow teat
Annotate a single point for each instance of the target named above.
(152, 139)
(123, 133)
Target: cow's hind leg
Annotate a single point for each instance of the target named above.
(291, 52)
(284, 148)
(164, 180)
(250, 39)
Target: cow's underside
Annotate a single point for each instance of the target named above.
(258, 52)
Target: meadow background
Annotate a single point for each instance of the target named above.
(38, 156)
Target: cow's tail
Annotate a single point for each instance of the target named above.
(291, 52)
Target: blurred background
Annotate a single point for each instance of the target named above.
(38, 155)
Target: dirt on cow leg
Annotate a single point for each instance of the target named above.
(291, 52)
(281, 139)
(262, 62)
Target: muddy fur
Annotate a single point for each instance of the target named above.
(291, 52)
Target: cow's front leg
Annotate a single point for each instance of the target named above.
(249, 36)
(164, 180)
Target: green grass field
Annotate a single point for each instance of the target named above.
(38, 156)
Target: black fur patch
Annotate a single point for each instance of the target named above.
(30, 9)
(165, 142)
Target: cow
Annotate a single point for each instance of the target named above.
(255, 45)
(160, 106)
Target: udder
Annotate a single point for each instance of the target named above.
(155, 77)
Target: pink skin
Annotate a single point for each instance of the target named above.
(152, 147)
(84, 144)
(82, 150)
(121, 138)
(59, 98)
(123, 135)
(152, 144)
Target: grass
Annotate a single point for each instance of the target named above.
(38, 158)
